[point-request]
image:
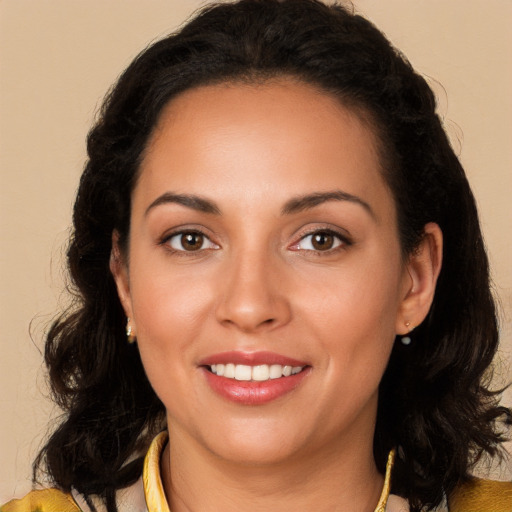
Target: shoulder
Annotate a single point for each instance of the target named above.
(129, 499)
(44, 500)
(478, 495)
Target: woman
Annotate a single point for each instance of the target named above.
(267, 215)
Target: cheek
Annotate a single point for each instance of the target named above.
(353, 313)
(365, 295)
(170, 310)
(167, 298)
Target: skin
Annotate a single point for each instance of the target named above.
(257, 283)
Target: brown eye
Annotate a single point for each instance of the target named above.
(322, 241)
(190, 241)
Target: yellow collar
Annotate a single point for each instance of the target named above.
(386, 489)
(154, 489)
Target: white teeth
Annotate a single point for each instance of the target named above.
(276, 371)
(260, 372)
(229, 371)
(243, 372)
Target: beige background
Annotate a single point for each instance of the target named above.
(57, 59)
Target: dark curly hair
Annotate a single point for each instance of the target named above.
(435, 405)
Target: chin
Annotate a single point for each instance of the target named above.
(257, 445)
(250, 454)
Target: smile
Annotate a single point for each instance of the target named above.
(258, 373)
(253, 378)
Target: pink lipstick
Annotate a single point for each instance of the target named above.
(253, 378)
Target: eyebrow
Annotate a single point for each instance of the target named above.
(294, 205)
(188, 200)
(308, 201)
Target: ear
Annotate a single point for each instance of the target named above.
(423, 267)
(119, 269)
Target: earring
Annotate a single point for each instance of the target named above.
(129, 332)
(406, 340)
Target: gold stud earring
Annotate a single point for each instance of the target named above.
(129, 332)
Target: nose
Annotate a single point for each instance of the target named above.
(252, 298)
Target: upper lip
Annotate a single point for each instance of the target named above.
(250, 359)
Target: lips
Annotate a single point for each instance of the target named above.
(253, 378)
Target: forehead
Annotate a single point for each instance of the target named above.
(279, 136)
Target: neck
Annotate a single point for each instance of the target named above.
(339, 476)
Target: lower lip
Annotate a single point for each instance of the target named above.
(254, 392)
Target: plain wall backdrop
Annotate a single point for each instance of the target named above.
(57, 60)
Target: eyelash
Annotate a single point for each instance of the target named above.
(343, 241)
(166, 240)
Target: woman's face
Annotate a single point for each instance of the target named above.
(264, 242)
